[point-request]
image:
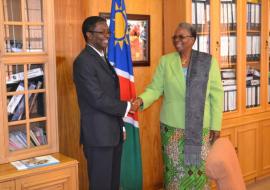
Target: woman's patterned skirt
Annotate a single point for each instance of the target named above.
(178, 176)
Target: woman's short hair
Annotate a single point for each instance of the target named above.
(189, 27)
(90, 23)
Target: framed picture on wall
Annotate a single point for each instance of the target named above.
(139, 37)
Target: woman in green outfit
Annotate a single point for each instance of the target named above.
(191, 112)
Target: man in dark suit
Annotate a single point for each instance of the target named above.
(101, 109)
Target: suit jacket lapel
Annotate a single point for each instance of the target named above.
(110, 66)
(99, 60)
(178, 71)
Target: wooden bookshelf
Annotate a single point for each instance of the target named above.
(28, 105)
(28, 90)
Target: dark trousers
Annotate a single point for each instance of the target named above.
(104, 167)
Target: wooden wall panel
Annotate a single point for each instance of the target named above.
(69, 16)
(174, 11)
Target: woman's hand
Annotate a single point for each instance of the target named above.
(135, 104)
(214, 135)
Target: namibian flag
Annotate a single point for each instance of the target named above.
(119, 55)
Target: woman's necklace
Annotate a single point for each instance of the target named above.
(185, 62)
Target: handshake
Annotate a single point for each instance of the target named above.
(135, 104)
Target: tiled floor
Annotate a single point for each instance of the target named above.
(263, 184)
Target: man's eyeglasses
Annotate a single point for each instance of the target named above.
(105, 33)
(180, 37)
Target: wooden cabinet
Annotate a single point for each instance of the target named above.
(264, 167)
(245, 139)
(28, 125)
(230, 134)
(247, 150)
(8, 185)
(62, 176)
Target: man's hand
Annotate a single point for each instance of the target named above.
(214, 135)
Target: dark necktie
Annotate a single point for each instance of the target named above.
(107, 62)
(104, 59)
(109, 65)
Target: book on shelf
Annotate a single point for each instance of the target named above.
(253, 47)
(34, 138)
(229, 100)
(35, 162)
(40, 135)
(256, 73)
(253, 15)
(33, 97)
(252, 74)
(230, 97)
(32, 73)
(19, 111)
(253, 82)
(21, 107)
(202, 43)
(228, 74)
(17, 140)
(252, 87)
(252, 96)
(228, 14)
(13, 46)
(21, 137)
(201, 20)
(228, 48)
(14, 101)
(249, 77)
(229, 86)
(228, 82)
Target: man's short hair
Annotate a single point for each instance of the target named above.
(90, 24)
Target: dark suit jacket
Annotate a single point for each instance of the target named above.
(98, 95)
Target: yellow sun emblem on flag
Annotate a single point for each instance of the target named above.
(120, 26)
